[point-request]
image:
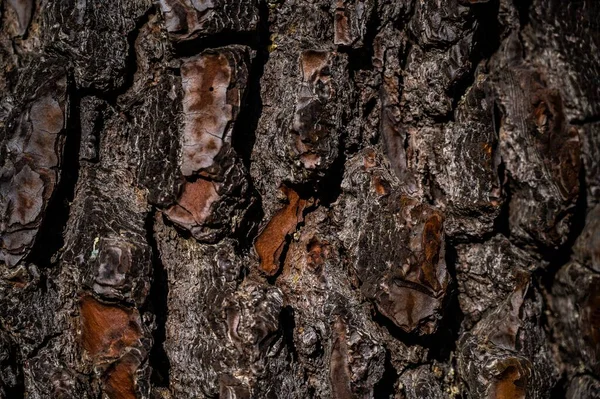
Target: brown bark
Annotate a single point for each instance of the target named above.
(299, 199)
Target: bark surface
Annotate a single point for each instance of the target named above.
(299, 199)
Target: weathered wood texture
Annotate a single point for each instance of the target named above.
(299, 199)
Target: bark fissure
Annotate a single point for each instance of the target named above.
(158, 298)
(50, 238)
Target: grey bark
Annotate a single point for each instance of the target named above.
(299, 199)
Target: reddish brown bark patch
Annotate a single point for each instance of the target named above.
(408, 284)
(432, 243)
(341, 26)
(106, 329)
(317, 253)
(193, 207)
(119, 381)
(271, 241)
(339, 370)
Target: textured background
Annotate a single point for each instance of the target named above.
(299, 199)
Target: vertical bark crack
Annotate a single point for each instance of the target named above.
(158, 297)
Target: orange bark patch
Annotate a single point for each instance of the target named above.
(107, 329)
(510, 385)
(271, 241)
(119, 382)
(380, 185)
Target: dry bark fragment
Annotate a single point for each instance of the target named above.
(187, 19)
(534, 126)
(487, 273)
(470, 163)
(214, 198)
(24, 9)
(270, 243)
(408, 281)
(575, 305)
(32, 150)
(97, 46)
(506, 353)
(213, 87)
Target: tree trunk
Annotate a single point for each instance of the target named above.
(299, 199)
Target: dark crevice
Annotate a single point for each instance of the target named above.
(585, 121)
(486, 39)
(429, 182)
(287, 325)
(325, 189)
(361, 58)
(487, 36)
(544, 276)
(523, 7)
(409, 339)
(446, 336)
(43, 344)
(244, 131)
(385, 387)
(131, 60)
(247, 231)
(189, 48)
(329, 187)
(158, 297)
(502, 221)
(448, 117)
(559, 390)
(90, 145)
(50, 239)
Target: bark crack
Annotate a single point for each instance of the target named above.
(50, 240)
(158, 297)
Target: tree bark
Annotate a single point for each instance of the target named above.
(299, 199)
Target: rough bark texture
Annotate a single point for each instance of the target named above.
(299, 199)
